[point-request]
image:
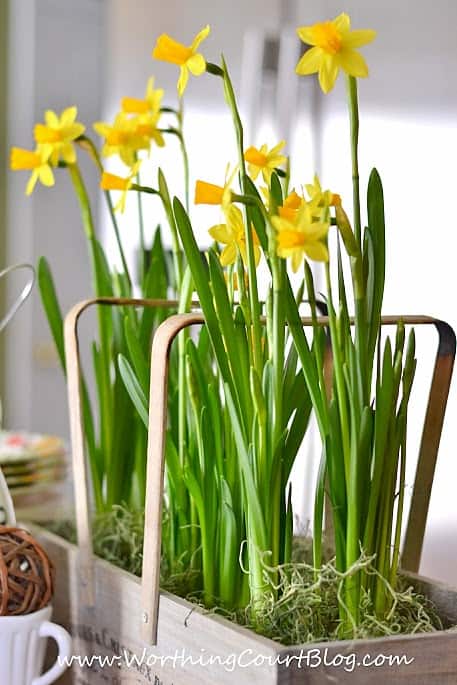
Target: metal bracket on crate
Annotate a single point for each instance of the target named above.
(158, 409)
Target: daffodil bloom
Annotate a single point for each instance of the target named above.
(55, 137)
(147, 131)
(264, 160)
(113, 182)
(186, 57)
(303, 237)
(291, 206)
(333, 49)
(37, 162)
(321, 199)
(232, 234)
(122, 138)
(150, 105)
(211, 194)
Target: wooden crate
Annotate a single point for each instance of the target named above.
(114, 614)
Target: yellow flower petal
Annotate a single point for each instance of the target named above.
(328, 73)
(183, 79)
(297, 259)
(309, 62)
(316, 251)
(68, 153)
(305, 33)
(46, 176)
(68, 116)
(196, 64)
(31, 183)
(353, 63)
(359, 38)
(228, 254)
(221, 234)
(51, 119)
(342, 23)
(204, 33)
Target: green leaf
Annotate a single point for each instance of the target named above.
(134, 388)
(51, 307)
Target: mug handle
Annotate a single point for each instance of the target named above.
(63, 639)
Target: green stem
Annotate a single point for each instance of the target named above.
(142, 239)
(339, 376)
(252, 272)
(87, 144)
(354, 124)
(185, 156)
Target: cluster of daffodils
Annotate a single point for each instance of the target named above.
(255, 378)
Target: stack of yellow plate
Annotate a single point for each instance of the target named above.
(31, 462)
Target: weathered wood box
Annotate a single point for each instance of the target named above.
(116, 618)
(198, 649)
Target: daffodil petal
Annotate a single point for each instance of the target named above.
(306, 34)
(356, 39)
(353, 63)
(196, 64)
(310, 62)
(200, 37)
(183, 79)
(46, 176)
(68, 153)
(221, 234)
(51, 119)
(228, 255)
(68, 116)
(342, 23)
(316, 251)
(31, 182)
(328, 73)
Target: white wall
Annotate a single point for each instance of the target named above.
(56, 54)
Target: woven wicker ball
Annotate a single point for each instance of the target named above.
(26, 573)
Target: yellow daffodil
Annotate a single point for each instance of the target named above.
(113, 182)
(319, 197)
(232, 234)
(302, 237)
(122, 138)
(333, 48)
(186, 57)
(55, 137)
(147, 131)
(150, 105)
(37, 162)
(211, 194)
(291, 206)
(264, 160)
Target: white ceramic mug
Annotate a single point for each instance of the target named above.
(23, 645)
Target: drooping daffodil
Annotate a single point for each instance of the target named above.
(232, 235)
(186, 57)
(55, 137)
(333, 48)
(212, 194)
(37, 162)
(265, 161)
(123, 184)
(300, 238)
